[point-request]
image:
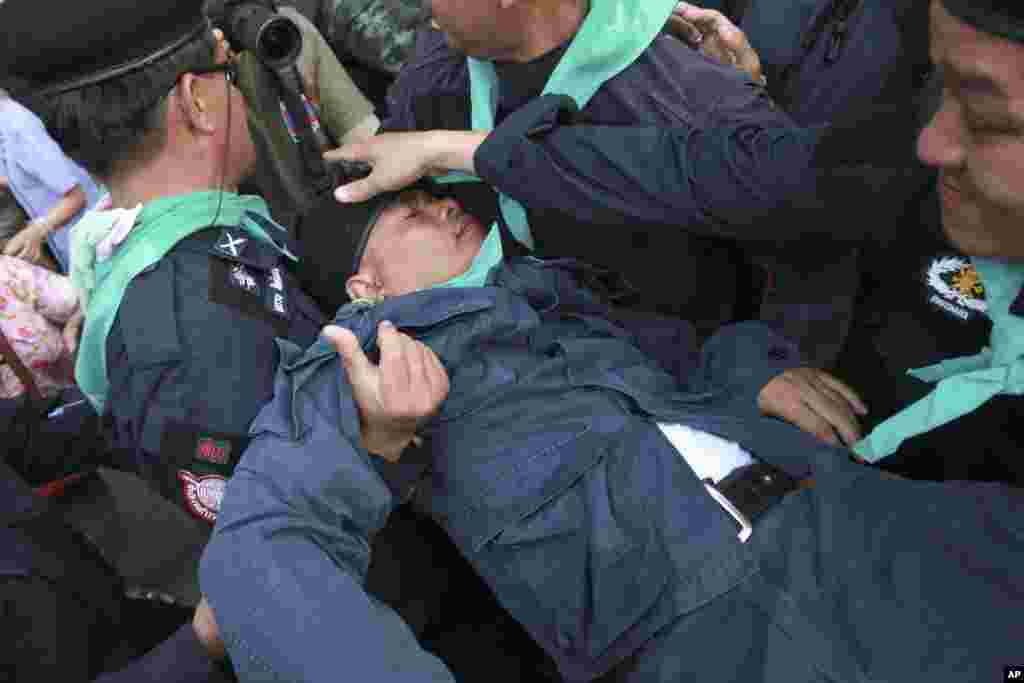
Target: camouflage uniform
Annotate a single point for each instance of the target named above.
(380, 34)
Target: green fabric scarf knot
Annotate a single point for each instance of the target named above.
(962, 385)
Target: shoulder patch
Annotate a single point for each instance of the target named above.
(248, 291)
(203, 495)
(216, 451)
(244, 279)
(954, 286)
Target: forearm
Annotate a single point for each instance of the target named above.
(732, 181)
(295, 530)
(455, 150)
(62, 212)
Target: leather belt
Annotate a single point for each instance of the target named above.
(749, 491)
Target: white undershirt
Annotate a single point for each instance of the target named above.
(710, 456)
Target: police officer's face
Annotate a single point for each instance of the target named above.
(419, 242)
(977, 137)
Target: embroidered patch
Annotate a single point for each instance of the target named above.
(277, 303)
(243, 278)
(203, 495)
(217, 451)
(955, 287)
(275, 280)
(225, 292)
(231, 245)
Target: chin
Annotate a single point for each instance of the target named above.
(974, 240)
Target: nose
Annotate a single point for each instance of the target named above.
(941, 142)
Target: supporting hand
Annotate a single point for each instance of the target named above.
(396, 396)
(400, 159)
(816, 402)
(204, 623)
(716, 37)
(27, 244)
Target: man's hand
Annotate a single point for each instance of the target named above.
(400, 159)
(393, 398)
(73, 331)
(717, 38)
(27, 244)
(205, 626)
(816, 402)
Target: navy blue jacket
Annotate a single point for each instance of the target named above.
(681, 269)
(191, 360)
(549, 473)
(677, 151)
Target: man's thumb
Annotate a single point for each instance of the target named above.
(348, 348)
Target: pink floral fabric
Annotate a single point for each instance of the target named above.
(34, 305)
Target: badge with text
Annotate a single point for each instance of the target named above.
(1013, 673)
(243, 278)
(955, 287)
(275, 280)
(203, 495)
(216, 451)
(277, 303)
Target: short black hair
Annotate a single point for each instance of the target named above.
(99, 124)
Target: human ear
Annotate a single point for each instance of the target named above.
(363, 286)
(194, 104)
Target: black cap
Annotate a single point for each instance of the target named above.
(1003, 18)
(332, 239)
(51, 48)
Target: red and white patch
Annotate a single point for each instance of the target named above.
(203, 495)
(217, 451)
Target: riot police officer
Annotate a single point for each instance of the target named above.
(186, 284)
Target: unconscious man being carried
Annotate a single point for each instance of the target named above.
(635, 503)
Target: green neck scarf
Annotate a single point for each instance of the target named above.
(964, 384)
(159, 226)
(613, 36)
(490, 255)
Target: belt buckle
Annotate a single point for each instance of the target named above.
(746, 528)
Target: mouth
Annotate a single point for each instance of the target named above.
(952, 194)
